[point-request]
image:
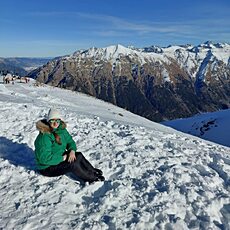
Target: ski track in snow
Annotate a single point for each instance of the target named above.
(156, 178)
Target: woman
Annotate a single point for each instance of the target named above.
(56, 154)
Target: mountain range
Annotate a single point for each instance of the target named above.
(154, 82)
(20, 65)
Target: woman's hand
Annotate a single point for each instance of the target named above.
(72, 156)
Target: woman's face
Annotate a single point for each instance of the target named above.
(54, 123)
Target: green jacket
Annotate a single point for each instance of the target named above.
(47, 151)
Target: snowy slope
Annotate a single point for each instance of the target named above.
(156, 177)
(209, 126)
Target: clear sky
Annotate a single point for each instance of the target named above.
(48, 28)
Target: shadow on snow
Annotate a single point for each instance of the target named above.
(17, 154)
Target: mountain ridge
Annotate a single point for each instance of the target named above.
(21, 65)
(177, 82)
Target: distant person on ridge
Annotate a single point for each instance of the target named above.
(56, 154)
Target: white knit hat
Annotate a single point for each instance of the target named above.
(54, 114)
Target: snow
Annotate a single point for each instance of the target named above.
(156, 177)
(114, 52)
(209, 126)
(222, 54)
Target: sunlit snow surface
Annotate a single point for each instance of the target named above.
(156, 177)
(209, 126)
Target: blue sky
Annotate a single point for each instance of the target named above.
(48, 28)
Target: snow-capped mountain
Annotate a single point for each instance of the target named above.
(197, 53)
(156, 177)
(157, 83)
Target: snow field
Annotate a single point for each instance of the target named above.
(156, 178)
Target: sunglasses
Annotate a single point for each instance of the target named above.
(55, 120)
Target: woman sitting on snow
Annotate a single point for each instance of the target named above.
(56, 154)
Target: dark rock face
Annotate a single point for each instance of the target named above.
(156, 89)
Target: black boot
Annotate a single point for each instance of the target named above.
(98, 171)
(100, 178)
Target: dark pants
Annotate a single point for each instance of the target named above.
(80, 168)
